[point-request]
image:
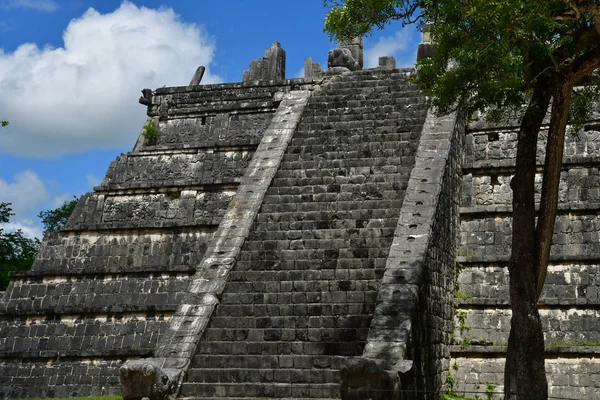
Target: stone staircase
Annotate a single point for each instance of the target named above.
(301, 296)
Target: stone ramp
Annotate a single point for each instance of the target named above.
(301, 295)
(570, 299)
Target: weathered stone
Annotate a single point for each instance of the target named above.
(311, 68)
(146, 379)
(387, 62)
(342, 58)
(362, 378)
(355, 46)
(197, 78)
(269, 68)
(146, 98)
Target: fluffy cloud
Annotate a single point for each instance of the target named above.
(27, 192)
(84, 94)
(31, 229)
(396, 46)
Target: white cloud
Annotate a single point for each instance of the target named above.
(93, 180)
(61, 199)
(396, 46)
(84, 94)
(38, 5)
(27, 192)
(30, 228)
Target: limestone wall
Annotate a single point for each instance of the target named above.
(568, 305)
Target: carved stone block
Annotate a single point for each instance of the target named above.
(145, 378)
(342, 58)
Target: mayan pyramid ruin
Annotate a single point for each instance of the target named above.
(324, 237)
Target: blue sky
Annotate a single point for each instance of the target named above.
(71, 72)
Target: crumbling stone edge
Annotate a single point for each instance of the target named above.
(406, 352)
(160, 378)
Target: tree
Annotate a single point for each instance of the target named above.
(17, 252)
(507, 56)
(54, 219)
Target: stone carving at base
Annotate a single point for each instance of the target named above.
(146, 379)
(363, 378)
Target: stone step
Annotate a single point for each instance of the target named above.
(334, 167)
(357, 188)
(277, 238)
(332, 184)
(336, 223)
(269, 390)
(361, 217)
(349, 170)
(223, 335)
(352, 193)
(301, 309)
(237, 295)
(275, 339)
(355, 136)
(366, 204)
(300, 317)
(257, 375)
(376, 150)
(284, 359)
(322, 151)
(345, 277)
(319, 258)
(240, 282)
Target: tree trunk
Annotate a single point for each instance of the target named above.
(524, 373)
(561, 101)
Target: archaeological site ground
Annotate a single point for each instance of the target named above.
(325, 237)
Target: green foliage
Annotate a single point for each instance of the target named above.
(150, 133)
(580, 108)
(463, 295)
(54, 219)
(4, 123)
(461, 316)
(489, 53)
(490, 390)
(17, 252)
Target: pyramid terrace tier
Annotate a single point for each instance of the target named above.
(151, 209)
(178, 168)
(152, 250)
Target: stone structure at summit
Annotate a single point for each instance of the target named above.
(322, 237)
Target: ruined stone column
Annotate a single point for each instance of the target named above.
(269, 68)
(427, 47)
(356, 47)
